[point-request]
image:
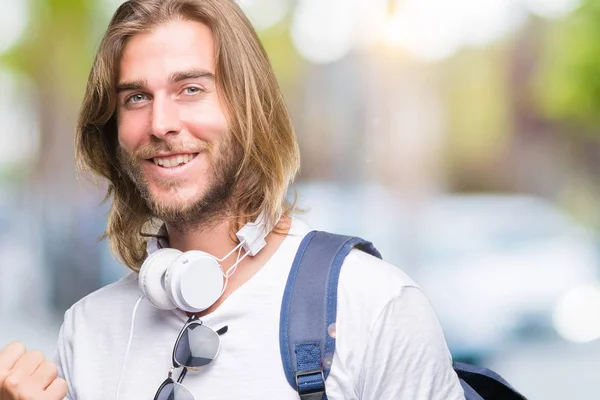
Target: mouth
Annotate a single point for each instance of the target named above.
(173, 161)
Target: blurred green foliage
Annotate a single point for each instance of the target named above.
(568, 84)
(476, 90)
(286, 61)
(57, 48)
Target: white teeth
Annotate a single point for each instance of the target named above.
(170, 162)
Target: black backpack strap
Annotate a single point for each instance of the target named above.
(309, 309)
(482, 383)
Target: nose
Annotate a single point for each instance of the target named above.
(165, 118)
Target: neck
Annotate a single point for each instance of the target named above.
(213, 238)
(216, 240)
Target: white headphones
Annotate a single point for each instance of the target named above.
(193, 280)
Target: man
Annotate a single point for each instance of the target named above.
(184, 119)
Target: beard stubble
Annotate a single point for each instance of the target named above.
(211, 205)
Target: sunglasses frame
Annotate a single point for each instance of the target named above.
(194, 319)
(170, 380)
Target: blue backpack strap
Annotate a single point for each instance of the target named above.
(482, 383)
(309, 308)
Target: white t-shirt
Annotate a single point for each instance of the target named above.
(389, 344)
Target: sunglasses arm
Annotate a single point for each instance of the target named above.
(182, 375)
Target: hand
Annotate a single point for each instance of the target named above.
(26, 375)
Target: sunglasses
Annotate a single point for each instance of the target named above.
(197, 345)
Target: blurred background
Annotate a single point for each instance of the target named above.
(461, 137)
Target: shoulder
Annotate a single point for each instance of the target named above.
(368, 289)
(368, 278)
(381, 296)
(387, 328)
(105, 304)
(380, 291)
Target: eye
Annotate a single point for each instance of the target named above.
(136, 98)
(192, 90)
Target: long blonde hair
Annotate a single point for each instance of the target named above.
(257, 115)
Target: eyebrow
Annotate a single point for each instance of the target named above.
(173, 78)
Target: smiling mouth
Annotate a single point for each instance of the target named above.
(174, 161)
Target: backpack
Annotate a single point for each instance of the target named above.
(309, 307)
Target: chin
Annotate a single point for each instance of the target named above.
(175, 192)
(174, 199)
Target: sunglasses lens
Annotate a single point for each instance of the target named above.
(173, 391)
(197, 346)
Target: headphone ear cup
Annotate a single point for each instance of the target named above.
(170, 283)
(195, 281)
(151, 277)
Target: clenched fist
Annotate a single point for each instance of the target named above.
(26, 375)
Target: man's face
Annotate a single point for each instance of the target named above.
(173, 132)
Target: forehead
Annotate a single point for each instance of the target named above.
(171, 47)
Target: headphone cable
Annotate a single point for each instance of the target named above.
(128, 345)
